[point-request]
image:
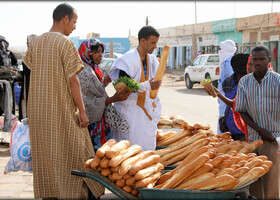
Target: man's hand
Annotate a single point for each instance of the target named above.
(155, 84)
(265, 135)
(83, 120)
(107, 80)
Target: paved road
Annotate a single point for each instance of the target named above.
(194, 105)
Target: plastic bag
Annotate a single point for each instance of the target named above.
(20, 149)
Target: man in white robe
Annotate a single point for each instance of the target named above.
(141, 112)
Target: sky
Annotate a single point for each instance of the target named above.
(116, 18)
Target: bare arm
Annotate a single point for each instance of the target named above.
(262, 132)
(77, 96)
(226, 100)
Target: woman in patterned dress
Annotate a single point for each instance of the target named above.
(93, 91)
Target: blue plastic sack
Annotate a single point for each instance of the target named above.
(17, 93)
(20, 149)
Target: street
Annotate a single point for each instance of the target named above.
(194, 105)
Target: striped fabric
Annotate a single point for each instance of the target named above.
(261, 102)
(58, 143)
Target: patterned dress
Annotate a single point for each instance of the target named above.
(94, 97)
(58, 143)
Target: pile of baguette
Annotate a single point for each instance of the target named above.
(168, 122)
(217, 163)
(127, 166)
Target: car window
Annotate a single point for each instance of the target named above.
(213, 59)
(202, 59)
(196, 61)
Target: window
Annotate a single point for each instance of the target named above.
(201, 62)
(196, 61)
(213, 59)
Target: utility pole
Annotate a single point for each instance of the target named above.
(272, 6)
(234, 9)
(147, 21)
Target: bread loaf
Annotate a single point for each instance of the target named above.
(239, 172)
(161, 68)
(146, 181)
(115, 169)
(253, 174)
(215, 161)
(102, 150)
(125, 154)
(130, 181)
(179, 135)
(104, 162)
(197, 179)
(120, 183)
(116, 148)
(224, 171)
(213, 182)
(229, 186)
(185, 171)
(116, 176)
(134, 192)
(87, 163)
(126, 176)
(143, 163)
(95, 162)
(143, 173)
(202, 170)
(254, 163)
(106, 172)
(127, 164)
(127, 188)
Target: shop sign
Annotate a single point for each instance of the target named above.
(207, 40)
(274, 38)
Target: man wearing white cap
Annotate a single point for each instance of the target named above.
(227, 50)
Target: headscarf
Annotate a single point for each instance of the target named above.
(227, 50)
(248, 62)
(86, 55)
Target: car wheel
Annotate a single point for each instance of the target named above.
(215, 84)
(188, 82)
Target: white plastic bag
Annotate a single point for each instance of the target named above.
(20, 149)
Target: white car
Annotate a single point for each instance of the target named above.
(203, 66)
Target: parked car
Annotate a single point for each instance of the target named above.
(204, 66)
(106, 65)
(115, 55)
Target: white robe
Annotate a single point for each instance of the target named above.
(142, 129)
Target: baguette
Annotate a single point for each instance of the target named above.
(111, 178)
(224, 164)
(134, 192)
(106, 172)
(99, 168)
(192, 156)
(251, 146)
(202, 170)
(143, 173)
(253, 174)
(115, 169)
(183, 153)
(189, 141)
(263, 158)
(126, 176)
(130, 181)
(127, 188)
(143, 163)
(127, 164)
(120, 183)
(165, 135)
(125, 154)
(224, 171)
(116, 148)
(200, 178)
(102, 150)
(239, 172)
(161, 68)
(116, 176)
(87, 163)
(215, 161)
(146, 181)
(185, 171)
(229, 186)
(213, 182)
(254, 163)
(104, 162)
(95, 162)
(179, 135)
(267, 163)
